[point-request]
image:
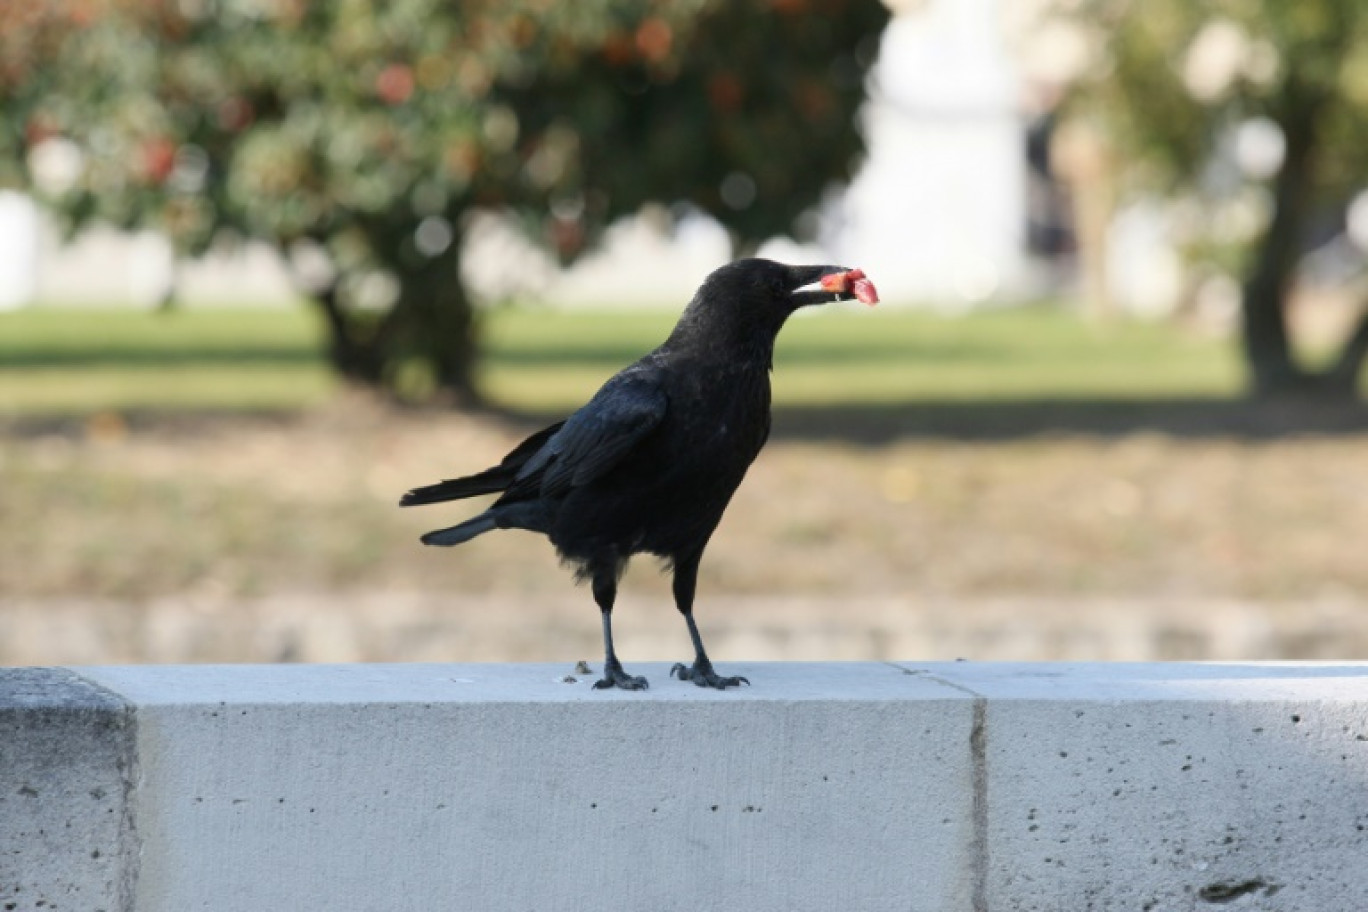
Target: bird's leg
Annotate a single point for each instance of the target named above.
(701, 672)
(605, 593)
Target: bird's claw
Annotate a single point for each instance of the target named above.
(616, 677)
(704, 676)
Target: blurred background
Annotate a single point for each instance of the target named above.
(266, 264)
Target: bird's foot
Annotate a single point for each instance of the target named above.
(614, 676)
(702, 674)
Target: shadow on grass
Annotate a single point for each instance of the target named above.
(990, 421)
(967, 421)
(1195, 418)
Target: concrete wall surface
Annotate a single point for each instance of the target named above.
(868, 786)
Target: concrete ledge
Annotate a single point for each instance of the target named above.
(957, 786)
(67, 758)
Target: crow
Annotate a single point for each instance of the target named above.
(651, 462)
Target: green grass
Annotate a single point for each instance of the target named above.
(63, 361)
(71, 362)
(550, 360)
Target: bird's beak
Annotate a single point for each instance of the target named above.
(836, 283)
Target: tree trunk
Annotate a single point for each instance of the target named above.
(1345, 374)
(1268, 350)
(1267, 347)
(434, 323)
(351, 357)
(424, 347)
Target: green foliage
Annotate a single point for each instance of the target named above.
(369, 128)
(1175, 77)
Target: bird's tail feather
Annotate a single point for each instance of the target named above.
(461, 532)
(489, 481)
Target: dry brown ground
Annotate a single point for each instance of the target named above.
(278, 539)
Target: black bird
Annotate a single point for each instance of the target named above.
(650, 463)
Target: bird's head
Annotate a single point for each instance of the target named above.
(782, 289)
(747, 301)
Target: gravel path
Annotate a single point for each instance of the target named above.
(276, 539)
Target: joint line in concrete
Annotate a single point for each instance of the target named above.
(978, 756)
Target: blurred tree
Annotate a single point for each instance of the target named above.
(366, 130)
(1216, 97)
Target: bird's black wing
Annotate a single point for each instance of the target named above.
(524, 451)
(596, 437)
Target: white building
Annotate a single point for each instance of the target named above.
(938, 212)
